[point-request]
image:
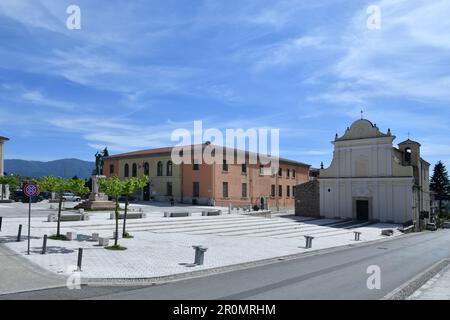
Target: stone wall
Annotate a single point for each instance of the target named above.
(307, 199)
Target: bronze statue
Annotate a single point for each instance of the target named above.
(99, 161)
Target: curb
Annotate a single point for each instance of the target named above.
(408, 288)
(31, 290)
(230, 268)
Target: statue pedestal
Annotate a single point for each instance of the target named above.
(97, 200)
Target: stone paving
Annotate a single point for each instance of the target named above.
(163, 246)
(437, 288)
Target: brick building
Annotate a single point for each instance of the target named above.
(219, 183)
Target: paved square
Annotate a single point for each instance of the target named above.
(163, 246)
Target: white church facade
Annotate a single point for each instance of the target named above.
(369, 179)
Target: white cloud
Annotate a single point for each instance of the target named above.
(37, 98)
(407, 57)
(34, 14)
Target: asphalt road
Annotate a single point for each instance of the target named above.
(338, 275)
(16, 275)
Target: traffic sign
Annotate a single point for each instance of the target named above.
(31, 190)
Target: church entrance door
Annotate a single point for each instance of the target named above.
(362, 210)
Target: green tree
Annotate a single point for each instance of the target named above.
(130, 186)
(59, 185)
(113, 187)
(440, 183)
(77, 186)
(11, 181)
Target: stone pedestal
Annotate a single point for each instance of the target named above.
(97, 200)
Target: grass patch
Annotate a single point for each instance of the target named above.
(116, 248)
(60, 237)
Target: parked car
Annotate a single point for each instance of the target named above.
(431, 226)
(46, 195)
(19, 196)
(130, 199)
(69, 196)
(446, 225)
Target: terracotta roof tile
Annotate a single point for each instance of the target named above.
(169, 150)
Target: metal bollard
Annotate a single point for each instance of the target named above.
(44, 245)
(80, 258)
(199, 254)
(1, 221)
(19, 233)
(308, 242)
(357, 234)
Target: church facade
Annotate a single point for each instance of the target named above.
(370, 179)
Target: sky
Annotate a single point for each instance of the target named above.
(138, 70)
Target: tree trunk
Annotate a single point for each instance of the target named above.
(116, 238)
(58, 226)
(125, 217)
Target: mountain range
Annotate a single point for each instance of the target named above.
(66, 168)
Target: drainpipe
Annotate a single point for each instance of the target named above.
(277, 190)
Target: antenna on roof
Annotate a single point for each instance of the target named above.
(362, 114)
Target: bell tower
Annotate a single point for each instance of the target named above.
(411, 152)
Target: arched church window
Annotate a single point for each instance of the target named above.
(134, 170)
(146, 169)
(408, 155)
(169, 168)
(159, 169)
(126, 170)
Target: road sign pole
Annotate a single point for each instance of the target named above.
(29, 223)
(30, 190)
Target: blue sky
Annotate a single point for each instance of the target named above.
(137, 70)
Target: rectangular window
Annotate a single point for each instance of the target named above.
(244, 190)
(288, 173)
(293, 191)
(195, 189)
(280, 191)
(169, 189)
(272, 190)
(225, 189)
(293, 173)
(225, 165)
(244, 168)
(111, 169)
(195, 167)
(280, 172)
(288, 191)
